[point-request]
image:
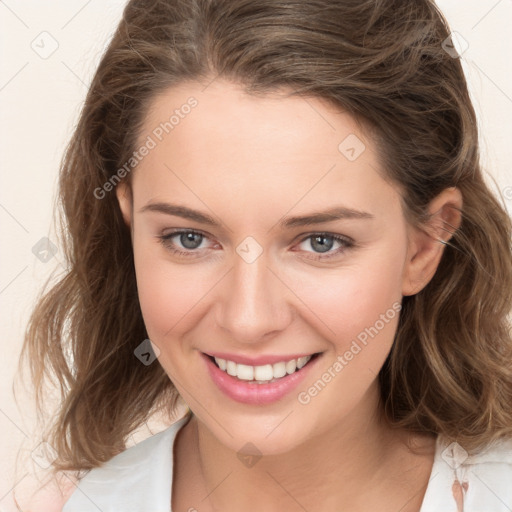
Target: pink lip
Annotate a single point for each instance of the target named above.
(256, 361)
(248, 392)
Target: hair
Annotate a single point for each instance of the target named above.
(382, 61)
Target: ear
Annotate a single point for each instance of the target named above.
(125, 199)
(427, 243)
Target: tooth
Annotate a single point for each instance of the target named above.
(279, 370)
(221, 363)
(263, 372)
(291, 366)
(245, 372)
(302, 361)
(231, 368)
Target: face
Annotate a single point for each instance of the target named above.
(236, 258)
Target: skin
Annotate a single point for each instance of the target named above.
(248, 162)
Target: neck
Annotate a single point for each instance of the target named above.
(351, 464)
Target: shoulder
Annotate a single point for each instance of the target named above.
(141, 476)
(479, 481)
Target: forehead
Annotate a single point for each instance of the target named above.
(219, 141)
(223, 112)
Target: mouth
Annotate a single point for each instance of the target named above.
(263, 374)
(263, 384)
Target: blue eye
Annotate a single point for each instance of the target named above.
(191, 240)
(323, 243)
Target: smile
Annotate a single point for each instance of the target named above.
(262, 374)
(259, 384)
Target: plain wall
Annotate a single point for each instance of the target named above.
(40, 98)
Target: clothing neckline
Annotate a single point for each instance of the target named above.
(439, 465)
(141, 477)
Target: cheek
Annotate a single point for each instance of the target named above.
(169, 294)
(353, 297)
(359, 309)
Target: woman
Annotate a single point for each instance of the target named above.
(276, 212)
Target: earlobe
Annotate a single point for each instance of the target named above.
(427, 243)
(125, 200)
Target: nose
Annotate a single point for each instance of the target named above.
(253, 303)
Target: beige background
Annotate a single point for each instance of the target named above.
(40, 99)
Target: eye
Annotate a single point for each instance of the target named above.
(190, 242)
(324, 242)
(189, 239)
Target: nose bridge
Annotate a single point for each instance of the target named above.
(253, 301)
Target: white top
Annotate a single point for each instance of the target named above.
(140, 479)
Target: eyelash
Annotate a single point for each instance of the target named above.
(347, 243)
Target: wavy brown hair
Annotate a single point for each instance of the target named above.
(384, 61)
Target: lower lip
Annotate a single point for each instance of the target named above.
(248, 392)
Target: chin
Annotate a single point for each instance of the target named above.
(260, 435)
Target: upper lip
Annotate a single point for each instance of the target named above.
(260, 360)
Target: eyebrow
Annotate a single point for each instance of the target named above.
(329, 215)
